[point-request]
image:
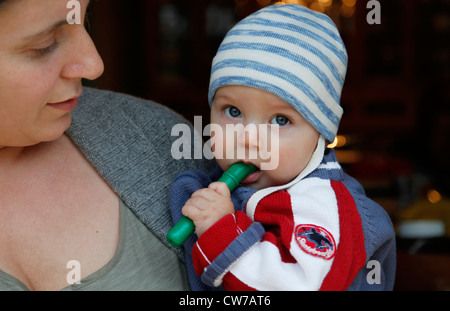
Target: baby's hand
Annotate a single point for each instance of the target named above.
(206, 206)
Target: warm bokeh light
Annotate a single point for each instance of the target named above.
(339, 141)
(433, 196)
(349, 3)
(326, 3)
(346, 8)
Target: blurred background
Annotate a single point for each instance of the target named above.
(395, 133)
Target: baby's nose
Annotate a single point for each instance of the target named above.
(249, 137)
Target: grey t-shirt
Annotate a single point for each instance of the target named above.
(141, 262)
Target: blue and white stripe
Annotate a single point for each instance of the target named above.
(292, 52)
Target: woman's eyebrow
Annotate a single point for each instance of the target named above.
(45, 31)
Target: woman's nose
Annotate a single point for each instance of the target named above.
(84, 61)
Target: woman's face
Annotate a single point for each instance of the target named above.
(42, 61)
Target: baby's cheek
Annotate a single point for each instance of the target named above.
(291, 163)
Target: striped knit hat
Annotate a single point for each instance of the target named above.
(289, 51)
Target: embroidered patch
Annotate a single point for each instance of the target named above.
(315, 240)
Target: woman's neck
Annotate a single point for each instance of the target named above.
(11, 155)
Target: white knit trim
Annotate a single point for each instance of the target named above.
(314, 162)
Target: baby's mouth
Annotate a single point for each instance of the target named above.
(253, 177)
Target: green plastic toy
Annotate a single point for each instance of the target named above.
(232, 177)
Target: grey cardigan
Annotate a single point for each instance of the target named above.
(128, 140)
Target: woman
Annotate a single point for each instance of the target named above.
(84, 173)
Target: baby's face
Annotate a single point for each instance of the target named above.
(290, 146)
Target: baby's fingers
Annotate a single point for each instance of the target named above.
(197, 202)
(206, 194)
(220, 188)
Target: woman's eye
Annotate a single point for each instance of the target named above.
(280, 120)
(232, 112)
(46, 50)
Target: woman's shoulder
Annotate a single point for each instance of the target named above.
(109, 124)
(129, 141)
(120, 107)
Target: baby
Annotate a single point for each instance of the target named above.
(305, 224)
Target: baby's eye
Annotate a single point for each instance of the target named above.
(280, 120)
(232, 112)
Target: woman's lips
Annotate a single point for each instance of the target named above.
(68, 105)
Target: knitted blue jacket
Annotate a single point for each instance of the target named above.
(375, 270)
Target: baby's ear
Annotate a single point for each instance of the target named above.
(220, 187)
